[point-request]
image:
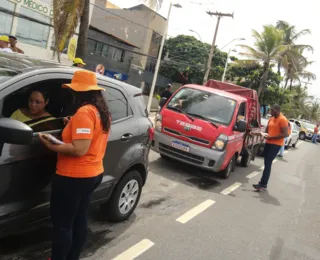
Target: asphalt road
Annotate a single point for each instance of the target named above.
(185, 213)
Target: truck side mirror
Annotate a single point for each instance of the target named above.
(162, 102)
(14, 132)
(241, 126)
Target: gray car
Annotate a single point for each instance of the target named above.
(26, 167)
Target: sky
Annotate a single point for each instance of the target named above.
(248, 15)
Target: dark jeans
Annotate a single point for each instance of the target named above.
(270, 153)
(70, 200)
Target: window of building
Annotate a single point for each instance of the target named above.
(6, 19)
(118, 105)
(117, 54)
(91, 46)
(99, 47)
(32, 32)
(105, 51)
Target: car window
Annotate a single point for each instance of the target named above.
(118, 104)
(139, 100)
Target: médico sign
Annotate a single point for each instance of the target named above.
(35, 5)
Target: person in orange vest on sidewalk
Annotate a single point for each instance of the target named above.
(79, 166)
(315, 134)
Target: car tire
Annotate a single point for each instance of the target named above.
(302, 136)
(261, 150)
(225, 174)
(129, 190)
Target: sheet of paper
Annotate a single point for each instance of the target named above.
(52, 139)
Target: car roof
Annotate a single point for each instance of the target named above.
(23, 64)
(217, 91)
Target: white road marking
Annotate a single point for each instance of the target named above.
(275, 160)
(251, 175)
(300, 142)
(231, 188)
(195, 211)
(136, 250)
(286, 152)
(262, 168)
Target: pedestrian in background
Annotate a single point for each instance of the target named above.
(167, 93)
(281, 153)
(100, 69)
(4, 44)
(275, 133)
(13, 45)
(78, 62)
(315, 134)
(79, 166)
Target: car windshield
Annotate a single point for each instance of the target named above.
(204, 105)
(6, 74)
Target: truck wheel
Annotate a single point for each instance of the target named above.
(124, 198)
(225, 174)
(302, 136)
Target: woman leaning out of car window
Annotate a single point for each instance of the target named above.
(36, 112)
(79, 166)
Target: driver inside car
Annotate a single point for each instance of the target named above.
(36, 111)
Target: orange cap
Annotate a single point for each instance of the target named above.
(83, 80)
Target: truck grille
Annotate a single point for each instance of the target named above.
(181, 154)
(195, 139)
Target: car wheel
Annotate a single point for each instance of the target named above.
(261, 150)
(302, 136)
(124, 198)
(225, 174)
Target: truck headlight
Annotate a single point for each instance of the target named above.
(158, 124)
(220, 143)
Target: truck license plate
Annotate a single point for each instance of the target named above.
(180, 146)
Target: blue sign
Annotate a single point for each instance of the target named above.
(116, 75)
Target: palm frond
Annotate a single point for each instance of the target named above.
(66, 15)
(154, 4)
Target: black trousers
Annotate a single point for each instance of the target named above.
(270, 153)
(70, 200)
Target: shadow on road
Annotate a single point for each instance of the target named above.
(197, 178)
(35, 244)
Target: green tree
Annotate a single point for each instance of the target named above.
(184, 53)
(66, 16)
(267, 50)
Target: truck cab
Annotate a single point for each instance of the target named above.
(208, 127)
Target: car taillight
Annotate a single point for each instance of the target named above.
(151, 133)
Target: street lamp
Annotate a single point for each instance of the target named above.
(154, 81)
(196, 33)
(226, 65)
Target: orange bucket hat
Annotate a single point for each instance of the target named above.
(83, 80)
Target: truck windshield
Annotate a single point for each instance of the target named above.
(208, 106)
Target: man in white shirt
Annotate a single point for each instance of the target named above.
(4, 44)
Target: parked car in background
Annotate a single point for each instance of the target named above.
(293, 138)
(305, 129)
(26, 166)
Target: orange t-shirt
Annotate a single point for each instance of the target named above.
(85, 124)
(316, 130)
(274, 129)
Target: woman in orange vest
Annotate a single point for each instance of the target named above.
(79, 166)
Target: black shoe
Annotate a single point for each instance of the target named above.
(279, 155)
(258, 187)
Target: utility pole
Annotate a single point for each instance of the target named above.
(219, 15)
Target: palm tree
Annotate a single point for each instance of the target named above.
(82, 46)
(154, 4)
(267, 51)
(66, 16)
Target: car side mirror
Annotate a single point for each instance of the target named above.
(162, 102)
(14, 132)
(241, 126)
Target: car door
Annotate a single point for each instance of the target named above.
(123, 136)
(26, 170)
